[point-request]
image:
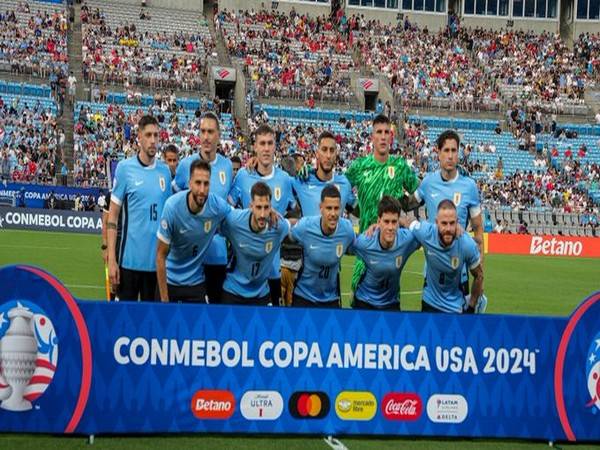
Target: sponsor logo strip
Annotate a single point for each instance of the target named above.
(261, 405)
(447, 408)
(309, 405)
(213, 404)
(402, 406)
(355, 405)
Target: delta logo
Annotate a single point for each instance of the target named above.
(355, 405)
(309, 405)
(402, 406)
(213, 404)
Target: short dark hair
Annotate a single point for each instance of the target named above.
(235, 159)
(446, 204)
(381, 118)
(388, 204)
(199, 164)
(330, 191)
(325, 135)
(171, 148)
(212, 116)
(260, 189)
(446, 135)
(147, 120)
(263, 129)
(298, 156)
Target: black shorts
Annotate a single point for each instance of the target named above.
(215, 277)
(275, 291)
(301, 302)
(231, 299)
(185, 294)
(359, 304)
(426, 307)
(137, 284)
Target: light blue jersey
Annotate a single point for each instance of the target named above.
(221, 179)
(442, 279)
(308, 192)
(318, 280)
(253, 254)
(380, 284)
(141, 191)
(462, 191)
(189, 236)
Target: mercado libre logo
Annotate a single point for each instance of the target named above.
(28, 354)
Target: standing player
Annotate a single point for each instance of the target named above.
(377, 175)
(171, 158)
(384, 253)
(255, 244)
(448, 184)
(188, 224)
(281, 187)
(221, 178)
(140, 191)
(324, 240)
(236, 164)
(445, 255)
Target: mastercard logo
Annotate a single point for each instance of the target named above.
(309, 405)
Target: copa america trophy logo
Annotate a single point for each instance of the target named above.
(592, 372)
(28, 354)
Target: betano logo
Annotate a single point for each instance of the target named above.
(309, 405)
(355, 405)
(213, 404)
(261, 405)
(555, 247)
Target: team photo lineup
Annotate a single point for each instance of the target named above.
(199, 230)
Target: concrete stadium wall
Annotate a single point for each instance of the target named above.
(433, 22)
(187, 5)
(585, 27)
(312, 9)
(519, 24)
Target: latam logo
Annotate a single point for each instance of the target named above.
(367, 84)
(402, 406)
(309, 405)
(355, 405)
(261, 405)
(28, 354)
(207, 404)
(554, 247)
(223, 73)
(447, 408)
(592, 373)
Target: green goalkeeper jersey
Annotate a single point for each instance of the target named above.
(373, 180)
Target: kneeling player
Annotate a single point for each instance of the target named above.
(255, 244)
(324, 240)
(445, 254)
(384, 253)
(188, 224)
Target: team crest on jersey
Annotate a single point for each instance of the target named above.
(162, 183)
(269, 246)
(277, 193)
(222, 177)
(207, 226)
(454, 262)
(339, 250)
(457, 197)
(391, 172)
(398, 261)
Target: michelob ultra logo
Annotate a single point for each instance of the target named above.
(355, 405)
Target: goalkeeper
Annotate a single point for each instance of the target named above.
(376, 175)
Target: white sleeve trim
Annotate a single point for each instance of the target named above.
(475, 211)
(175, 187)
(414, 224)
(417, 196)
(164, 239)
(116, 200)
(475, 264)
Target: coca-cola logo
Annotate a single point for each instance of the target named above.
(401, 406)
(555, 247)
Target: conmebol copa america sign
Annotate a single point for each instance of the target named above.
(50, 220)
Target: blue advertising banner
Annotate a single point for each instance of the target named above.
(50, 220)
(35, 195)
(95, 367)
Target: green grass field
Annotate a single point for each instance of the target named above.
(514, 285)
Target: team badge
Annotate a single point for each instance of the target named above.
(277, 193)
(222, 177)
(162, 183)
(163, 223)
(339, 250)
(391, 172)
(457, 198)
(269, 246)
(207, 226)
(454, 262)
(398, 261)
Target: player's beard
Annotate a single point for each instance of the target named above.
(323, 169)
(444, 235)
(199, 200)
